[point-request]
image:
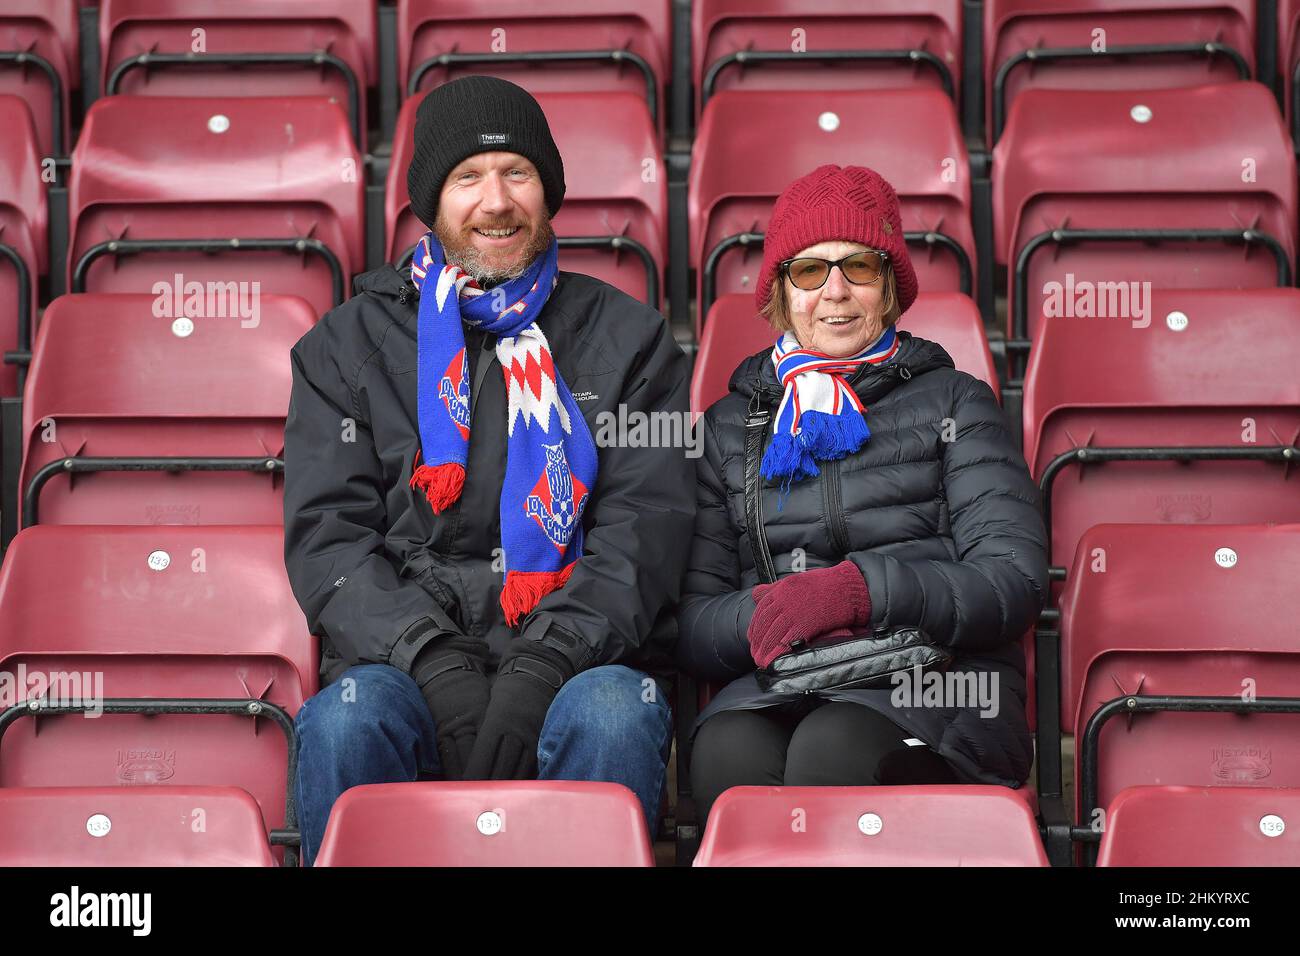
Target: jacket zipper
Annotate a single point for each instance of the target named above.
(834, 503)
(834, 506)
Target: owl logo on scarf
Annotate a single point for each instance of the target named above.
(557, 499)
(454, 392)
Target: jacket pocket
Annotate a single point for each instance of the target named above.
(422, 568)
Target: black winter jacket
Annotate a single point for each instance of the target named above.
(947, 534)
(378, 575)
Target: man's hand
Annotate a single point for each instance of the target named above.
(450, 672)
(530, 676)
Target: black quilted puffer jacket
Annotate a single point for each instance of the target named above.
(939, 512)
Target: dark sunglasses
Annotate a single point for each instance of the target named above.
(861, 268)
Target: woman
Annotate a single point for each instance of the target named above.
(891, 493)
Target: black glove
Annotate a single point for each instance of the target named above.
(530, 676)
(450, 672)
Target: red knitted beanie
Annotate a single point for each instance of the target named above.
(849, 203)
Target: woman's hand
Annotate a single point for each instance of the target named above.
(806, 605)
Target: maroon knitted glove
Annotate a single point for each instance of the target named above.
(806, 605)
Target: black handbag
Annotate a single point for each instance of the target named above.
(868, 659)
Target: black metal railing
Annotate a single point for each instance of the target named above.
(1283, 454)
(743, 58)
(613, 57)
(146, 61)
(85, 465)
(1020, 342)
(1037, 55)
(153, 706)
(24, 58)
(130, 247)
(21, 356)
(1090, 747)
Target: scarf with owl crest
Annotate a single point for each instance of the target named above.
(550, 454)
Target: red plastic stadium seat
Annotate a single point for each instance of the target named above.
(751, 146)
(616, 188)
(615, 45)
(164, 168)
(153, 612)
(131, 826)
(23, 222)
(1212, 158)
(1097, 383)
(871, 826)
(734, 332)
(504, 823)
(111, 379)
(727, 33)
(1202, 826)
(1021, 37)
(136, 36)
(1183, 610)
(40, 62)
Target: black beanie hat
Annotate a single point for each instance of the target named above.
(478, 114)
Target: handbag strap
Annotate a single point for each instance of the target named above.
(756, 422)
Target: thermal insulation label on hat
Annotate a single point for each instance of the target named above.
(493, 139)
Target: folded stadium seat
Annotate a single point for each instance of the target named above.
(560, 46)
(24, 251)
(110, 380)
(826, 44)
(1158, 610)
(501, 823)
(163, 186)
(131, 826)
(204, 615)
(614, 221)
(733, 332)
(246, 48)
(949, 825)
(1111, 44)
(1140, 424)
(40, 62)
(752, 145)
(1202, 826)
(1076, 173)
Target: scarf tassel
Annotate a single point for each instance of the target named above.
(830, 437)
(441, 484)
(791, 458)
(788, 457)
(523, 590)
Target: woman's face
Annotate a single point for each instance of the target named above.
(840, 318)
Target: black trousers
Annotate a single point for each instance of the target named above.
(827, 744)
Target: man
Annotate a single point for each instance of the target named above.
(493, 591)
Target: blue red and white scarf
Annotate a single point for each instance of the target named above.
(820, 417)
(550, 454)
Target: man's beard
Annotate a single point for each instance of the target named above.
(460, 250)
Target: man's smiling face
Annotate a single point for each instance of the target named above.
(492, 217)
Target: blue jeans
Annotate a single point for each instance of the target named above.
(372, 725)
